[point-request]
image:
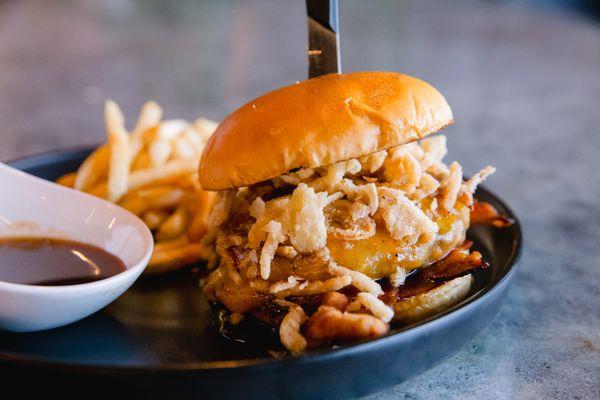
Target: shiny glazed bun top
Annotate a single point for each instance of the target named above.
(319, 122)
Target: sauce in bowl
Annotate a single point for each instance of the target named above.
(44, 261)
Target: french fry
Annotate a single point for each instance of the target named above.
(118, 143)
(98, 190)
(152, 173)
(175, 225)
(142, 200)
(171, 244)
(198, 226)
(137, 179)
(170, 129)
(154, 218)
(169, 259)
(135, 204)
(195, 138)
(159, 152)
(170, 170)
(67, 180)
(183, 148)
(205, 127)
(141, 161)
(150, 116)
(92, 169)
(187, 182)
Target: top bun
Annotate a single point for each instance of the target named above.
(318, 122)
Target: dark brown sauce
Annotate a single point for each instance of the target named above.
(54, 262)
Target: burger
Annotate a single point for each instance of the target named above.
(335, 213)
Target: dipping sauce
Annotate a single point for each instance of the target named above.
(54, 262)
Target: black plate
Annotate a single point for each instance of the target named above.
(157, 339)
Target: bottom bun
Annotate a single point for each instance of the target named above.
(426, 304)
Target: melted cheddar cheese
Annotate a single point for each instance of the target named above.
(379, 255)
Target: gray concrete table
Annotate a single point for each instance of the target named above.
(524, 84)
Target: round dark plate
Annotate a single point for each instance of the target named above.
(158, 339)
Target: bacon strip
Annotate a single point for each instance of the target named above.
(486, 214)
(457, 263)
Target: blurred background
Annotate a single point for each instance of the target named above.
(60, 60)
(522, 77)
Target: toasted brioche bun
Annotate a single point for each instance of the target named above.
(319, 122)
(438, 299)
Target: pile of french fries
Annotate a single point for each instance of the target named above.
(151, 171)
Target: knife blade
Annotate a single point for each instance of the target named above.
(323, 38)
